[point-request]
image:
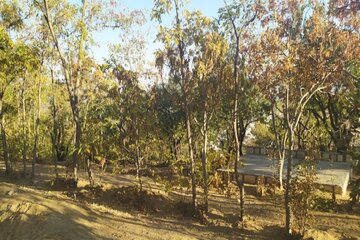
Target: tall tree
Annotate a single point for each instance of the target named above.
(36, 127)
(236, 18)
(303, 58)
(210, 51)
(73, 66)
(178, 54)
(15, 58)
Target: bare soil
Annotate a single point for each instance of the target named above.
(117, 209)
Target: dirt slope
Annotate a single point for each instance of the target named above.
(39, 212)
(26, 213)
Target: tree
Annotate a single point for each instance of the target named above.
(15, 58)
(11, 17)
(177, 54)
(303, 58)
(73, 67)
(135, 122)
(236, 18)
(37, 122)
(169, 118)
(72, 80)
(336, 112)
(210, 48)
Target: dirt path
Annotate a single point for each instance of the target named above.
(27, 213)
(38, 212)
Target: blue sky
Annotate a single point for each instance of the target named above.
(105, 37)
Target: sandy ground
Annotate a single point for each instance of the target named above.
(37, 211)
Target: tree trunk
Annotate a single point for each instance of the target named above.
(240, 183)
(185, 90)
(37, 121)
(55, 127)
(288, 214)
(24, 133)
(176, 146)
(281, 162)
(138, 164)
(242, 133)
(54, 156)
(71, 84)
(3, 139)
(241, 147)
(173, 149)
(191, 155)
(204, 161)
(74, 95)
(75, 161)
(299, 137)
(228, 156)
(90, 172)
(280, 147)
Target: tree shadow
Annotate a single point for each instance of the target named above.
(30, 218)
